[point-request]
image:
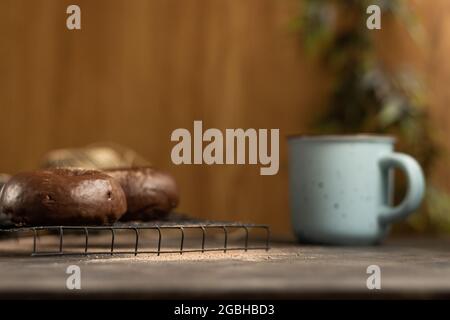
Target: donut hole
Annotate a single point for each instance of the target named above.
(109, 195)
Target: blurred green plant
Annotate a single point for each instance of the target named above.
(365, 96)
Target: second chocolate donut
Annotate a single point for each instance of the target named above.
(151, 194)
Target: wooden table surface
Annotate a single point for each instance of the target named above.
(410, 268)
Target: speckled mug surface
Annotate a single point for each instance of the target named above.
(341, 187)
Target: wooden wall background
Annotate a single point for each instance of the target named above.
(140, 69)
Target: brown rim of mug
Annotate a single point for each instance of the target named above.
(344, 138)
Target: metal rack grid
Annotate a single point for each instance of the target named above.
(137, 229)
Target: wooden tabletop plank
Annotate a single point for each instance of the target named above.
(413, 268)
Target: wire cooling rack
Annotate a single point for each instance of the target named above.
(135, 231)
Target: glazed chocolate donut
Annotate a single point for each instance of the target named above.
(151, 194)
(62, 197)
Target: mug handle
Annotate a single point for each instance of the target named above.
(415, 191)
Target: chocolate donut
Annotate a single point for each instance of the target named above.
(151, 194)
(62, 197)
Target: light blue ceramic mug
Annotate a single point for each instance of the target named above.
(341, 188)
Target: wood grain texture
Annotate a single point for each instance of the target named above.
(140, 69)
